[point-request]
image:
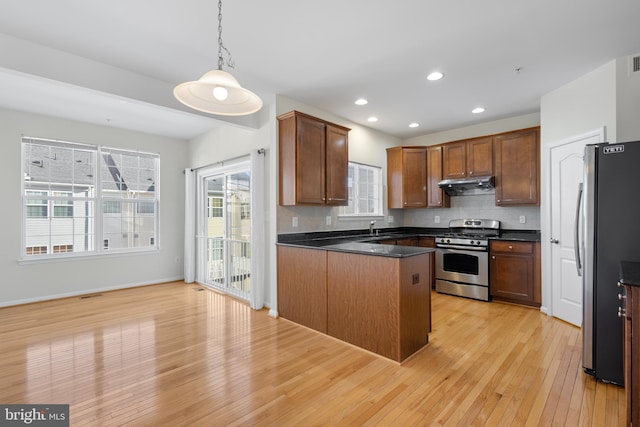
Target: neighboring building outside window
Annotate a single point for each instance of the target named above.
(365, 191)
(77, 195)
(215, 205)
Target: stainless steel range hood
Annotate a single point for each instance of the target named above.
(468, 186)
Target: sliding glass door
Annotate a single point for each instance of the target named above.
(225, 254)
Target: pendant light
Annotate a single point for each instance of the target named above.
(218, 92)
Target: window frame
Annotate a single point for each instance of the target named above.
(62, 198)
(379, 211)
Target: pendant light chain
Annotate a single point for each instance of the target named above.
(221, 47)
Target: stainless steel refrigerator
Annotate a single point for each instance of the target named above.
(610, 217)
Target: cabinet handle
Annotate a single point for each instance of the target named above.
(510, 247)
(470, 172)
(622, 312)
(493, 257)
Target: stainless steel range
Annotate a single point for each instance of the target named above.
(462, 258)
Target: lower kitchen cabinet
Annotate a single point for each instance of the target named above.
(514, 272)
(302, 286)
(381, 304)
(632, 354)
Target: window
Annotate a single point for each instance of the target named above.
(245, 211)
(215, 206)
(365, 191)
(76, 196)
(62, 204)
(37, 204)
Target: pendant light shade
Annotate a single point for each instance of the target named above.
(218, 92)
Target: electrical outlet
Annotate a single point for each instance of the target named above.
(390, 218)
(523, 219)
(294, 221)
(436, 219)
(328, 219)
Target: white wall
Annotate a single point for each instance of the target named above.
(365, 146)
(37, 281)
(627, 101)
(576, 108)
(478, 206)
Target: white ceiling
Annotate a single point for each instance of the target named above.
(324, 54)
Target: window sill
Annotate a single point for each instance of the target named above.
(41, 259)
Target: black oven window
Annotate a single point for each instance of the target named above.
(460, 263)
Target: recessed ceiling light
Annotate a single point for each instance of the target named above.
(372, 119)
(414, 125)
(477, 110)
(436, 75)
(361, 101)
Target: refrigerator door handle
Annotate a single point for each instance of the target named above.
(576, 232)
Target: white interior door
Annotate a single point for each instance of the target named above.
(566, 175)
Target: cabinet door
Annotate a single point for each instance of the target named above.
(512, 276)
(337, 166)
(454, 157)
(310, 167)
(517, 166)
(302, 286)
(414, 177)
(436, 198)
(480, 156)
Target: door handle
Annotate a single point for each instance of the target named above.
(556, 241)
(576, 231)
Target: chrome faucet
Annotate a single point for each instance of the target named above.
(371, 224)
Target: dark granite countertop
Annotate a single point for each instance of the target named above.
(364, 248)
(519, 235)
(327, 238)
(630, 273)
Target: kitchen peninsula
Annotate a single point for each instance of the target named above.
(372, 295)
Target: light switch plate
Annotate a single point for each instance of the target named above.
(523, 219)
(390, 218)
(436, 219)
(328, 219)
(294, 221)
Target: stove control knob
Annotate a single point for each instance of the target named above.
(473, 243)
(448, 241)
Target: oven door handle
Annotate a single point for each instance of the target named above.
(464, 248)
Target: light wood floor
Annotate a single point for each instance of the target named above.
(174, 354)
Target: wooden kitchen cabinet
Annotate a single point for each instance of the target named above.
(436, 197)
(517, 167)
(430, 242)
(313, 161)
(302, 286)
(632, 353)
(468, 158)
(407, 177)
(514, 272)
(381, 304)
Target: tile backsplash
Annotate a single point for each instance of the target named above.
(477, 206)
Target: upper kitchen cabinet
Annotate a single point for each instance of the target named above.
(314, 161)
(407, 177)
(468, 158)
(436, 197)
(517, 167)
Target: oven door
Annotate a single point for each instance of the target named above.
(463, 266)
